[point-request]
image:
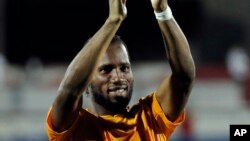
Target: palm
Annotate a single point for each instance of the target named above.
(117, 9)
(124, 9)
(158, 4)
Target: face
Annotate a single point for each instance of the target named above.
(113, 81)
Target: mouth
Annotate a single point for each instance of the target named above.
(118, 90)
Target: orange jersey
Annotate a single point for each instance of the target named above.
(145, 121)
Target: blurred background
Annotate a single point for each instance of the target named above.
(39, 38)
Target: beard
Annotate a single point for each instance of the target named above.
(120, 104)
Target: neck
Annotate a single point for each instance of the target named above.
(101, 110)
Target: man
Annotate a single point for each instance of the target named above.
(102, 69)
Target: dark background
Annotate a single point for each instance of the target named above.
(55, 30)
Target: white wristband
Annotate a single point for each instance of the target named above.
(164, 15)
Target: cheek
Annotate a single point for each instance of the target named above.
(130, 77)
(100, 81)
(98, 78)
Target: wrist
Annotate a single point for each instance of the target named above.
(115, 19)
(163, 15)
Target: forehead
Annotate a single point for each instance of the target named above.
(116, 53)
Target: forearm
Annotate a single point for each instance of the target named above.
(177, 49)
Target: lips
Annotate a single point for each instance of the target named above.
(118, 90)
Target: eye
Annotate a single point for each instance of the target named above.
(105, 69)
(125, 68)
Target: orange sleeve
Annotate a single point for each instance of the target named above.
(54, 135)
(165, 124)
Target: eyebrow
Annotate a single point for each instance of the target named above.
(105, 65)
(111, 65)
(125, 64)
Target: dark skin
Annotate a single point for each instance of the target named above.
(172, 94)
(113, 81)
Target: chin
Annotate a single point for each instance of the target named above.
(113, 102)
(121, 101)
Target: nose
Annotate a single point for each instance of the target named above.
(116, 76)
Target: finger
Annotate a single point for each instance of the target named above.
(124, 1)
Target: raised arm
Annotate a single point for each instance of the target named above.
(174, 91)
(80, 71)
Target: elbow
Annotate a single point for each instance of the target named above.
(189, 73)
(184, 70)
(187, 76)
(67, 90)
(71, 86)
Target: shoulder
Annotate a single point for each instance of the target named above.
(143, 101)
